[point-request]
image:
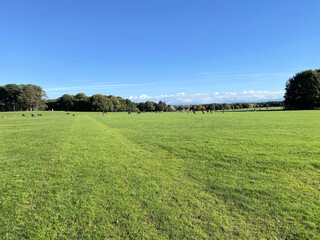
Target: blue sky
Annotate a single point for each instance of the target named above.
(179, 51)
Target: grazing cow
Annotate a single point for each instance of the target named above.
(68, 113)
(39, 114)
(32, 115)
(23, 115)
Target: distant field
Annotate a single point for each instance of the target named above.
(237, 175)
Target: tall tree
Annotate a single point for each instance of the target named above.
(116, 105)
(81, 102)
(150, 106)
(161, 106)
(101, 103)
(2, 98)
(303, 90)
(31, 97)
(130, 105)
(11, 93)
(65, 102)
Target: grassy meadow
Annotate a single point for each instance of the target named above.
(237, 175)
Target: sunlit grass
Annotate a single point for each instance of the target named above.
(243, 175)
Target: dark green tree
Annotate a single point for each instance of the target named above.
(170, 108)
(81, 102)
(110, 106)
(130, 105)
(161, 106)
(100, 103)
(116, 104)
(247, 105)
(31, 97)
(303, 90)
(150, 106)
(51, 104)
(11, 93)
(65, 102)
(211, 107)
(141, 107)
(2, 98)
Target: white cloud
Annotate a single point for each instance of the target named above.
(216, 97)
(140, 98)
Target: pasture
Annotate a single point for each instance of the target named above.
(238, 175)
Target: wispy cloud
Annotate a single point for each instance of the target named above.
(92, 81)
(247, 75)
(96, 87)
(215, 97)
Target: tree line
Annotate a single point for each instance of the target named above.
(110, 103)
(302, 92)
(15, 97)
(95, 103)
(104, 103)
(30, 97)
(230, 106)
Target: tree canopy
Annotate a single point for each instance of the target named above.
(22, 97)
(96, 103)
(303, 90)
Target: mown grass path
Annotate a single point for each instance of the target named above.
(160, 176)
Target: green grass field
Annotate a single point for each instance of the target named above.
(242, 175)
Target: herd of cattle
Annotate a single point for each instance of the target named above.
(104, 113)
(40, 115)
(181, 111)
(33, 115)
